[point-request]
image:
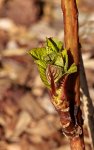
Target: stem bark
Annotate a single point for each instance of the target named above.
(71, 41)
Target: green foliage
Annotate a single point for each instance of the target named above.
(54, 56)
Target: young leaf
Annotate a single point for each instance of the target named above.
(42, 72)
(72, 69)
(55, 57)
(58, 44)
(54, 44)
(54, 71)
(41, 63)
(65, 59)
(59, 60)
(38, 53)
(50, 58)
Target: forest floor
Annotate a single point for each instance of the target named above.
(28, 120)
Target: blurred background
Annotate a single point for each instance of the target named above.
(28, 120)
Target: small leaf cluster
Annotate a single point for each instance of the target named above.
(54, 54)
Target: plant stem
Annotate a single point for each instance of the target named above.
(71, 39)
(88, 105)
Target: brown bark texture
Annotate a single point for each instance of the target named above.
(71, 41)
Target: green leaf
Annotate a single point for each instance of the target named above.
(52, 45)
(58, 44)
(38, 53)
(72, 69)
(59, 60)
(50, 58)
(48, 50)
(54, 55)
(42, 72)
(41, 63)
(65, 59)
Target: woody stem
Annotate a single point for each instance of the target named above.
(71, 39)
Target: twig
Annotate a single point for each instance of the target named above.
(70, 15)
(89, 109)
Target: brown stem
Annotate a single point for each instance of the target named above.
(70, 15)
(71, 27)
(77, 144)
